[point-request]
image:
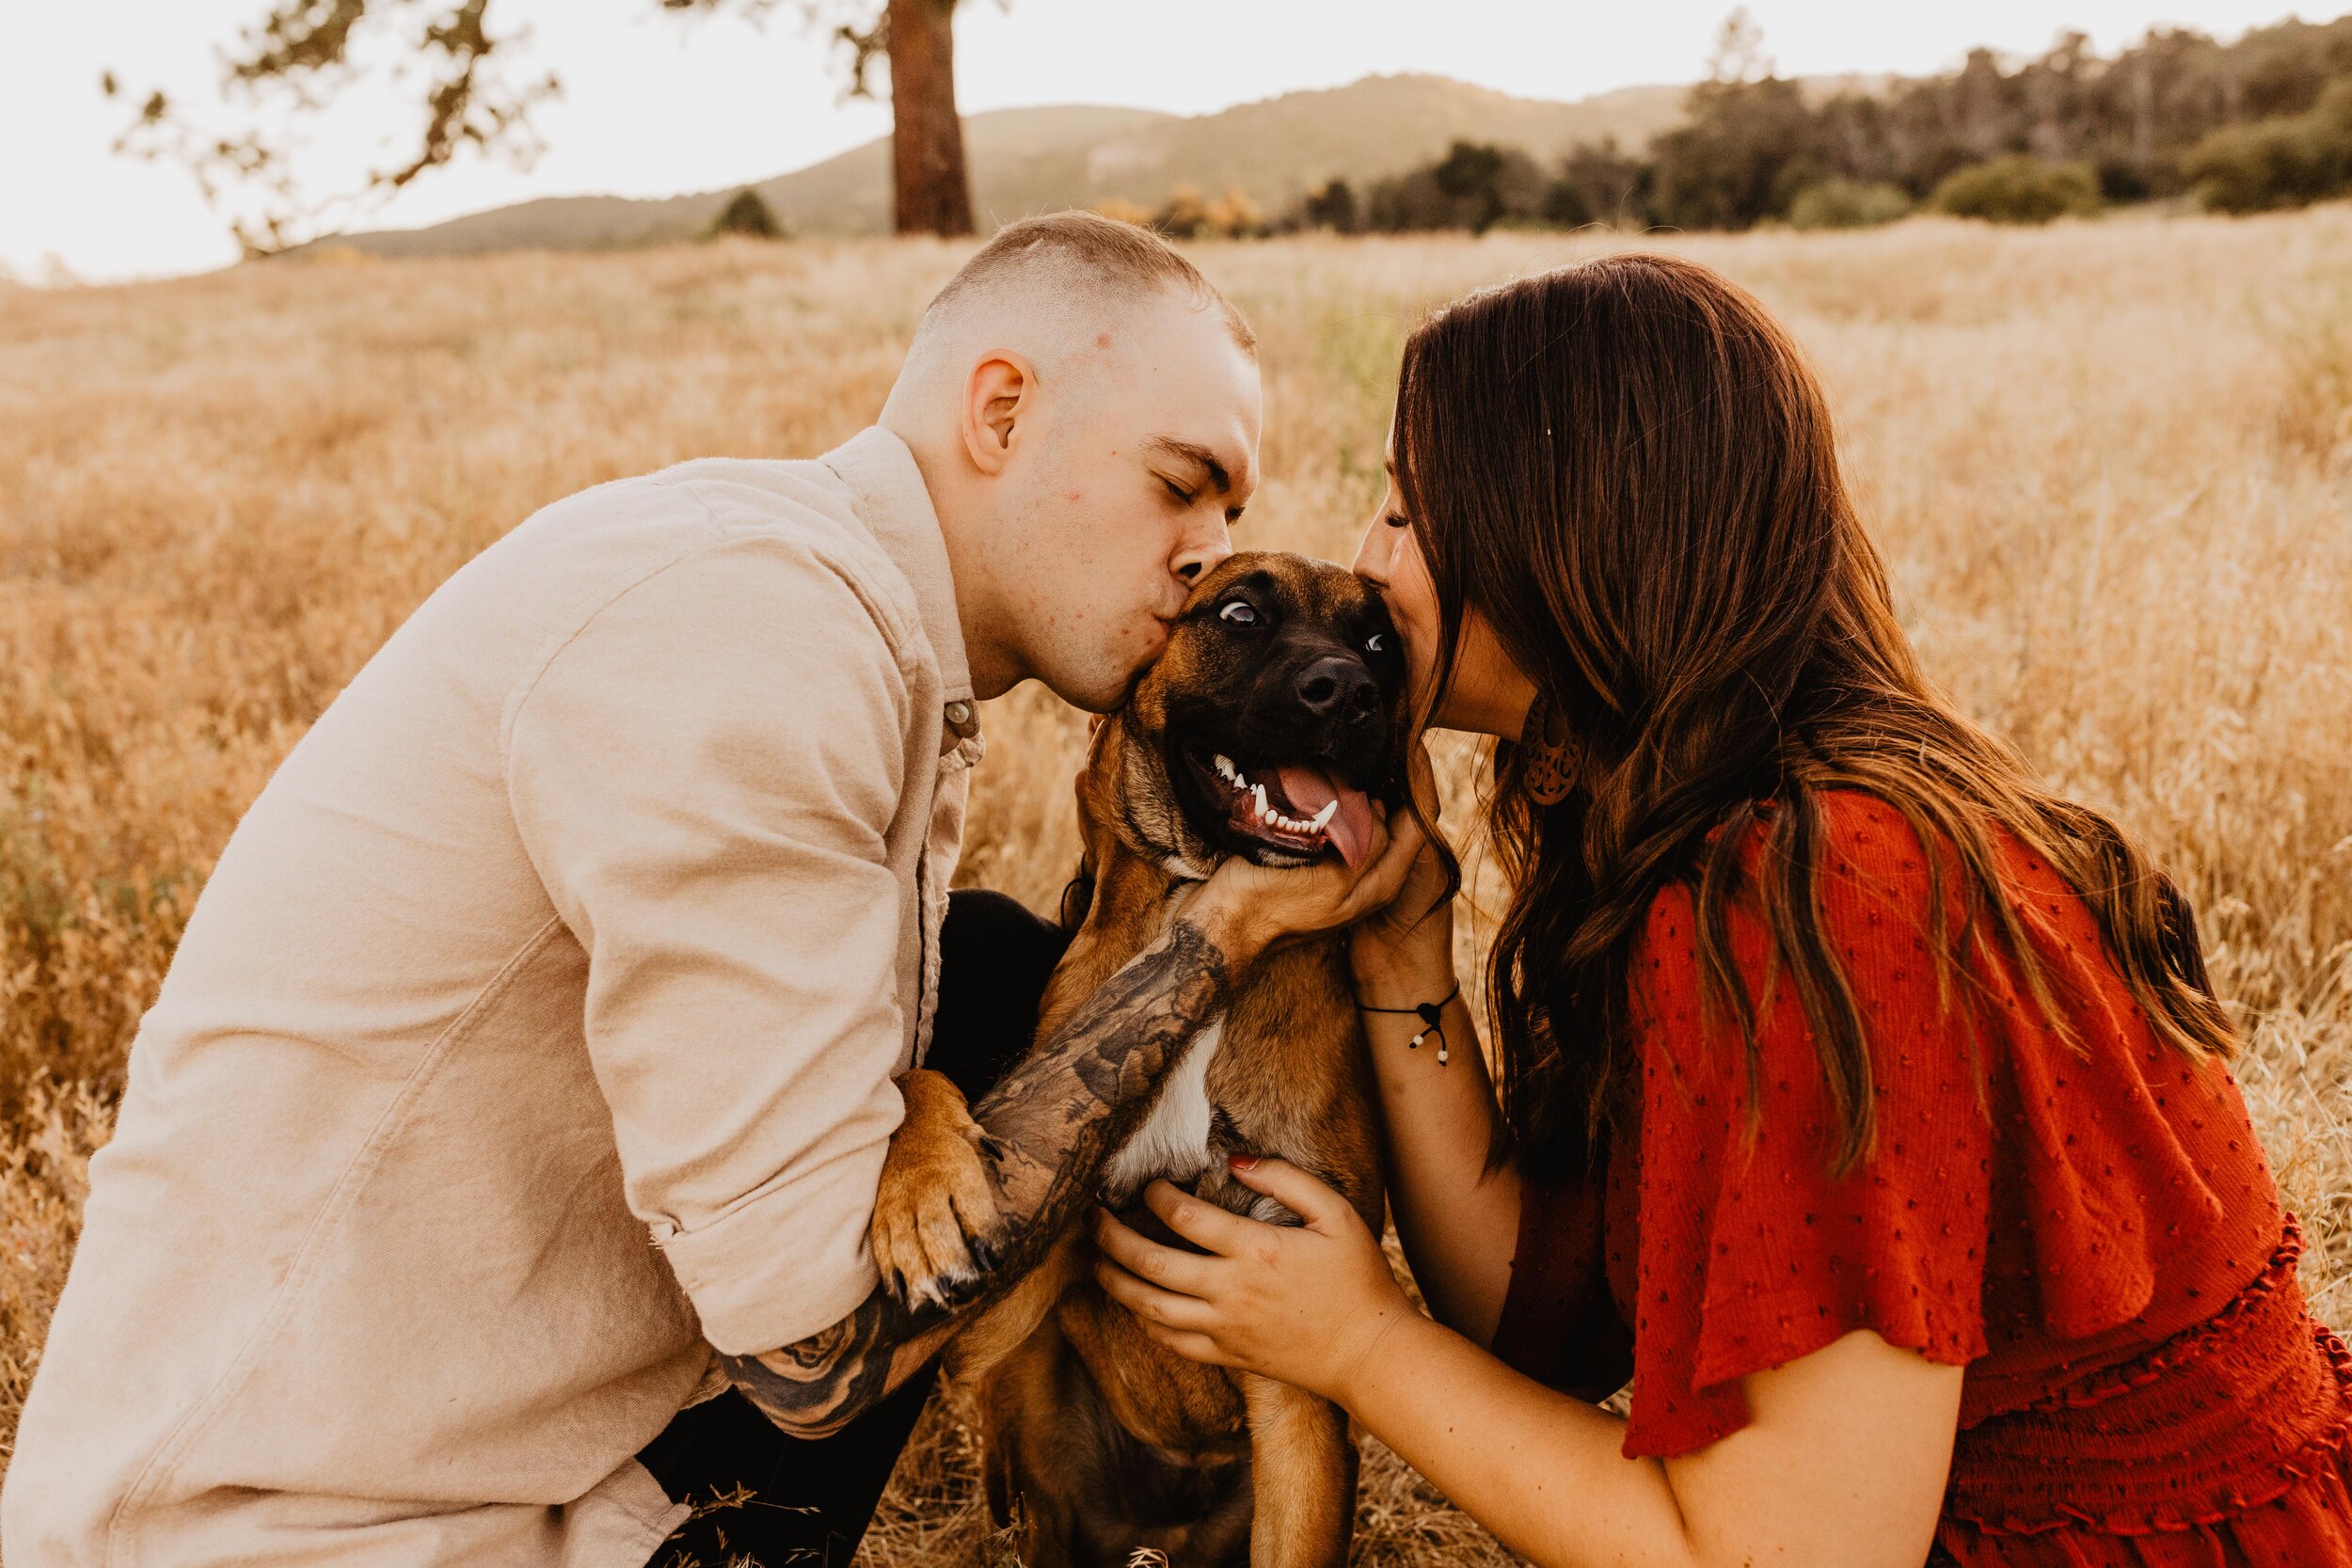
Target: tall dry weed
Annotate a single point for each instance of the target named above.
(44, 1175)
(2108, 463)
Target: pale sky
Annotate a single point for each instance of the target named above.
(654, 106)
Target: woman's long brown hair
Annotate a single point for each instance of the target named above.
(1628, 469)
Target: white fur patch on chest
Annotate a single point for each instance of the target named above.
(1174, 1140)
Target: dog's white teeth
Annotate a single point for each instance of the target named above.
(1322, 819)
(1265, 811)
(1225, 769)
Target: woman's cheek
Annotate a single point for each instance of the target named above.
(1420, 657)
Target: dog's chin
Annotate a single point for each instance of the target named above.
(1276, 815)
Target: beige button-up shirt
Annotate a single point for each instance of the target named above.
(534, 1036)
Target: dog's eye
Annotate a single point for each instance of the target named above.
(1241, 612)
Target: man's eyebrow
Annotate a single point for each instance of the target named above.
(1192, 452)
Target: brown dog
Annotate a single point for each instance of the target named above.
(1265, 728)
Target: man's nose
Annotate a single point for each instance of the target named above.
(1202, 554)
(1338, 686)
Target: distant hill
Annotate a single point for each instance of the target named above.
(1040, 160)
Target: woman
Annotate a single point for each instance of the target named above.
(1862, 1102)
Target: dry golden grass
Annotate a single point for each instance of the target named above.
(2111, 464)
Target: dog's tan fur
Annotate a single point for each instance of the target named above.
(1107, 1443)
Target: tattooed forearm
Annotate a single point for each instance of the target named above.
(1053, 1122)
(814, 1387)
(1059, 1114)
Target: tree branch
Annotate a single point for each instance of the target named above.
(290, 65)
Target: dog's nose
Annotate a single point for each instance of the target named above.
(1337, 687)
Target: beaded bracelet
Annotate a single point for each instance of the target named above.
(1432, 1015)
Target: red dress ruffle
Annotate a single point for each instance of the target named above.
(2157, 1460)
(2089, 1228)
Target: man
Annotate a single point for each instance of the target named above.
(598, 912)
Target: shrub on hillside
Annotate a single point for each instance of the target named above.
(1124, 211)
(1187, 215)
(1474, 186)
(2019, 189)
(1234, 216)
(1600, 184)
(2290, 160)
(1839, 203)
(747, 215)
(1408, 201)
(1184, 214)
(1333, 205)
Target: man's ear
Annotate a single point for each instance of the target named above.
(997, 396)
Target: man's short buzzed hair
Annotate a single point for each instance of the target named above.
(1087, 248)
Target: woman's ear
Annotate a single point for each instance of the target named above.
(1000, 392)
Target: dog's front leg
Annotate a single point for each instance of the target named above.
(935, 1216)
(1302, 1473)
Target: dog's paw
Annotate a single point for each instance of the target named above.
(936, 1225)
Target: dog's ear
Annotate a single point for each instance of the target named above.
(1106, 737)
(1078, 895)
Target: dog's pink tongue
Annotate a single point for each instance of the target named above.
(1310, 789)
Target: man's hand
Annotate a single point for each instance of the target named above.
(1052, 1123)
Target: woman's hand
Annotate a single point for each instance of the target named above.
(1406, 949)
(1307, 1305)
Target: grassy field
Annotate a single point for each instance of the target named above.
(2111, 464)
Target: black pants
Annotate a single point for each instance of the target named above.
(811, 1499)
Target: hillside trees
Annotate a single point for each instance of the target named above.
(2264, 121)
(2132, 119)
(304, 53)
(1749, 147)
(2240, 125)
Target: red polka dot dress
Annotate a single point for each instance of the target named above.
(2089, 1228)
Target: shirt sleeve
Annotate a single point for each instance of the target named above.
(1750, 1253)
(702, 777)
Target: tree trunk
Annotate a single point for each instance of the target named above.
(931, 191)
